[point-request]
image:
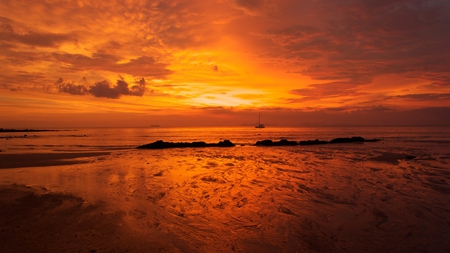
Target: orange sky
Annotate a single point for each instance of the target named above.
(220, 62)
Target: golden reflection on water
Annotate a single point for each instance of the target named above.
(250, 199)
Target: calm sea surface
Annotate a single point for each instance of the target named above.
(125, 138)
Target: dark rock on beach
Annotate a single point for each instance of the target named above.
(282, 142)
(225, 143)
(353, 139)
(347, 140)
(268, 143)
(264, 143)
(162, 144)
(314, 142)
(196, 144)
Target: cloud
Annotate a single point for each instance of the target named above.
(368, 39)
(339, 54)
(10, 87)
(14, 32)
(103, 89)
(70, 88)
(253, 8)
(142, 66)
(426, 96)
(22, 80)
(328, 90)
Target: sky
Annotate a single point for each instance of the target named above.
(132, 63)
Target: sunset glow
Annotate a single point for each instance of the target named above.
(221, 62)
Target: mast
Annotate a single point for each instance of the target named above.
(259, 125)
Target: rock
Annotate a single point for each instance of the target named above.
(282, 142)
(347, 140)
(264, 143)
(196, 144)
(353, 139)
(225, 143)
(356, 139)
(155, 145)
(314, 142)
(285, 142)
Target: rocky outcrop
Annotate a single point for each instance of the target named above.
(347, 140)
(225, 143)
(196, 144)
(268, 143)
(314, 142)
(355, 139)
(282, 142)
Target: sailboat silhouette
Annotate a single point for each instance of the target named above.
(259, 122)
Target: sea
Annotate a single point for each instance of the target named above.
(387, 196)
(85, 139)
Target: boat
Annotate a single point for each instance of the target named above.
(259, 122)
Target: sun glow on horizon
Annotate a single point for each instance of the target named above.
(287, 57)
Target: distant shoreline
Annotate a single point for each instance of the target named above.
(25, 130)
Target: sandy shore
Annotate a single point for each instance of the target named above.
(347, 198)
(22, 160)
(36, 220)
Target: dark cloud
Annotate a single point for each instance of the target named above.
(327, 90)
(249, 4)
(9, 33)
(141, 66)
(103, 89)
(10, 87)
(371, 115)
(71, 88)
(426, 96)
(22, 80)
(250, 7)
(367, 39)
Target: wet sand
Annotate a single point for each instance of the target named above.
(346, 198)
(35, 220)
(22, 160)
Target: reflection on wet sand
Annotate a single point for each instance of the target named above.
(250, 199)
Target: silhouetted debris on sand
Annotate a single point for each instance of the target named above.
(196, 144)
(282, 142)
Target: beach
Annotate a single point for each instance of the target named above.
(386, 196)
(36, 220)
(225, 126)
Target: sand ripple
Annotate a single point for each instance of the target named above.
(348, 198)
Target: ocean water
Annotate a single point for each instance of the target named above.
(387, 196)
(85, 139)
